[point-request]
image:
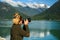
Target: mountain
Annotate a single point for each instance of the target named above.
(34, 5)
(29, 9)
(32, 9)
(7, 11)
(53, 13)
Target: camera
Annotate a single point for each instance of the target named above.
(29, 20)
(22, 19)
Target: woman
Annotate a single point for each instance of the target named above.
(17, 33)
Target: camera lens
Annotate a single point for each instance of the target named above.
(29, 20)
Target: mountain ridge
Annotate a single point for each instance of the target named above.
(53, 13)
(29, 9)
(7, 11)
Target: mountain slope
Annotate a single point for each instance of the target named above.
(31, 11)
(7, 11)
(53, 13)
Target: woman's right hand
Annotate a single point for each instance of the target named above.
(26, 22)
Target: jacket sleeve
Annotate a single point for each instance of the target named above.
(24, 32)
(25, 28)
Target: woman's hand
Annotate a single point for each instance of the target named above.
(20, 22)
(26, 22)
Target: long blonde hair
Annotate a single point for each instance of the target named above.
(16, 18)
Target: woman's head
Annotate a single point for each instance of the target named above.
(20, 22)
(18, 17)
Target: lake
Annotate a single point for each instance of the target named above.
(39, 30)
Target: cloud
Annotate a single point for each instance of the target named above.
(14, 3)
(11, 2)
(7, 0)
(48, 6)
(30, 4)
(22, 4)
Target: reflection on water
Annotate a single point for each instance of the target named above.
(48, 33)
(42, 35)
(39, 30)
(38, 36)
(45, 25)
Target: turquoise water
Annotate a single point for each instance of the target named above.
(39, 30)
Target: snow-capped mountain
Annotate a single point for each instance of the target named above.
(30, 4)
(29, 9)
(33, 5)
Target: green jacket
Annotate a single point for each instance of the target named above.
(17, 33)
